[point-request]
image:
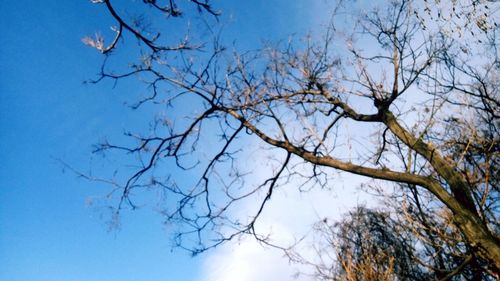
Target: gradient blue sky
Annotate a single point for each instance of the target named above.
(47, 231)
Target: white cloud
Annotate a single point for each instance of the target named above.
(247, 261)
(290, 214)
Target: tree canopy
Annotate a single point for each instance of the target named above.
(420, 96)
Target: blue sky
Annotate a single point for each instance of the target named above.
(47, 231)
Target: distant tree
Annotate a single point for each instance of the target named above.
(423, 102)
(368, 245)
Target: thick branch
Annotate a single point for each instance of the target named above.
(478, 235)
(444, 168)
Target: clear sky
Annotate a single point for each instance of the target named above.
(47, 231)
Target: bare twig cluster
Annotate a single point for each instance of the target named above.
(427, 110)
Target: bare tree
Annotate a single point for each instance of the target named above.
(425, 105)
(366, 245)
(393, 244)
